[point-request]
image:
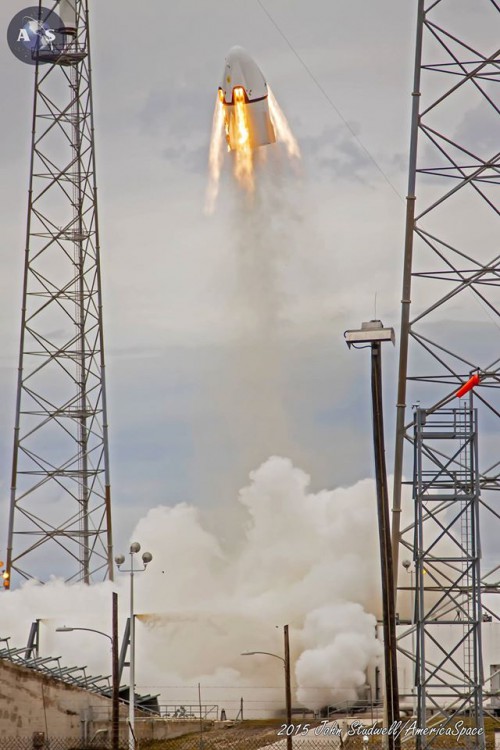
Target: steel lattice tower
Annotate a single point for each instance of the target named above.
(450, 322)
(449, 670)
(60, 512)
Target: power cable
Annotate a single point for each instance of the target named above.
(329, 100)
(352, 132)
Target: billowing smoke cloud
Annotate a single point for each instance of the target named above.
(300, 557)
(339, 648)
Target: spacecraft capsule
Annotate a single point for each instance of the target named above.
(244, 96)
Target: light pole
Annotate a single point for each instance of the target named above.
(288, 688)
(373, 334)
(135, 547)
(115, 716)
(408, 567)
(66, 629)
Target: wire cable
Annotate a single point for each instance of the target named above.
(330, 101)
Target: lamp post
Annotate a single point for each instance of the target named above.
(66, 629)
(135, 547)
(373, 334)
(288, 688)
(407, 566)
(115, 715)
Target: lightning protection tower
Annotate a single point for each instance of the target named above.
(60, 512)
(450, 334)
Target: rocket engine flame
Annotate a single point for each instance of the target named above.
(215, 156)
(246, 117)
(282, 128)
(243, 165)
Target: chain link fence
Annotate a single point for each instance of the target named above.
(191, 742)
(244, 737)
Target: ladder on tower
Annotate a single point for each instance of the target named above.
(448, 593)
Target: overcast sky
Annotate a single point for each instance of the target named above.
(195, 403)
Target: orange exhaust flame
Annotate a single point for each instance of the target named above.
(243, 164)
(216, 156)
(282, 128)
(245, 156)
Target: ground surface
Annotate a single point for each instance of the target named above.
(249, 735)
(254, 735)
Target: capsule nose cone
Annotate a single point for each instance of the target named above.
(241, 70)
(238, 53)
(237, 49)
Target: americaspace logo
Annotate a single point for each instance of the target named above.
(34, 33)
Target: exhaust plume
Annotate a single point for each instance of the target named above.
(244, 156)
(301, 558)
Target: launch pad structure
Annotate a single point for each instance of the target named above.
(450, 330)
(60, 507)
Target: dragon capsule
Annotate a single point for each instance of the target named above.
(244, 95)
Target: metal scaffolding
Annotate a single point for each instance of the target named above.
(450, 319)
(449, 672)
(60, 512)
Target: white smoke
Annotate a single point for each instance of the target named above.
(303, 558)
(339, 648)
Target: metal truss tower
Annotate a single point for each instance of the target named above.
(449, 672)
(60, 512)
(450, 321)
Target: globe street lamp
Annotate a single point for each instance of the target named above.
(135, 547)
(288, 689)
(115, 676)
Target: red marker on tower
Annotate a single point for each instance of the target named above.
(468, 386)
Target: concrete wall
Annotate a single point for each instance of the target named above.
(32, 702)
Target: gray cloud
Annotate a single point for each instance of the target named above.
(172, 327)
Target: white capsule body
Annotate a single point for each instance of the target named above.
(241, 72)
